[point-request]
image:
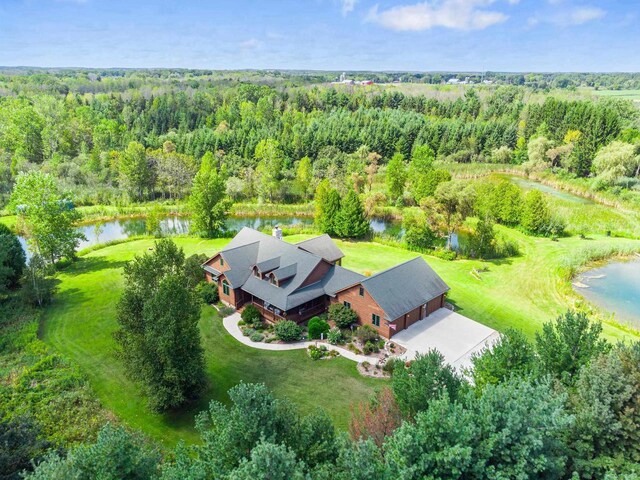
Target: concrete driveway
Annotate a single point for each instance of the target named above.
(452, 334)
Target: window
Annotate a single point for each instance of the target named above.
(221, 262)
(347, 304)
(375, 319)
(225, 287)
(362, 291)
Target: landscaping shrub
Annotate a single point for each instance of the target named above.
(316, 353)
(208, 292)
(366, 333)
(342, 315)
(226, 311)
(287, 331)
(256, 337)
(247, 331)
(370, 348)
(391, 364)
(317, 327)
(335, 336)
(251, 315)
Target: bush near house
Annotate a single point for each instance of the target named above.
(251, 315)
(342, 315)
(287, 331)
(208, 292)
(335, 336)
(366, 333)
(317, 327)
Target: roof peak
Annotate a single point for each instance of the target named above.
(397, 266)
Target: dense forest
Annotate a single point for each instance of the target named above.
(120, 136)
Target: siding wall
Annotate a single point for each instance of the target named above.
(364, 307)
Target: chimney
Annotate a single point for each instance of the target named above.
(277, 232)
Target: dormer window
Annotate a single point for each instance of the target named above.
(272, 280)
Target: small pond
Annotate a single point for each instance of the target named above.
(526, 184)
(615, 288)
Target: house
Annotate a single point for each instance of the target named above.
(298, 281)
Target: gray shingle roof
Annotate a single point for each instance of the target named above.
(323, 246)
(285, 272)
(404, 287)
(268, 264)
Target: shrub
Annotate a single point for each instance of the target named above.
(317, 327)
(226, 311)
(366, 334)
(256, 337)
(247, 331)
(251, 315)
(287, 331)
(316, 353)
(208, 292)
(334, 336)
(370, 348)
(342, 315)
(391, 364)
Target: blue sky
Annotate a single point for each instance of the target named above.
(499, 35)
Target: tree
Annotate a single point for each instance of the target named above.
(342, 315)
(317, 328)
(372, 168)
(511, 355)
(417, 232)
(158, 336)
(425, 379)
(568, 344)
(615, 161)
(135, 173)
(304, 177)
(454, 202)
(48, 217)
(482, 242)
(396, 177)
(272, 461)
(20, 445)
(536, 215)
(420, 168)
(12, 260)
(208, 201)
(270, 160)
(116, 455)
(153, 222)
(537, 154)
(351, 221)
(376, 419)
(327, 207)
(38, 286)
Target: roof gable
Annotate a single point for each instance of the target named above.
(323, 246)
(404, 287)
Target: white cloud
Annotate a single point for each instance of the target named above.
(567, 18)
(251, 44)
(455, 14)
(348, 6)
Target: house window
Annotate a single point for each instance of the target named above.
(362, 291)
(347, 304)
(272, 280)
(375, 319)
(221, 262)
(225, 287)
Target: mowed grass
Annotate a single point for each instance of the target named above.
(522, 292)
(81, 321)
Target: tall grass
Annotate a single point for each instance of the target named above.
(576, 261)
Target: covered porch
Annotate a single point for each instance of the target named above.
(298, 314)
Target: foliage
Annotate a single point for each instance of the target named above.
(38, 285)
(47, 215)
(424, 380)
(420, 168)
(12, 260)
(116, 455)
(511, 355)
(536, 216)
(335, 336)
(20, 444)
(208, 292)
(376, 419)
(287, 330)
(317, 353)
(153, 221)
(482, 242)
(327, 208)
(342, 315)
(396, 177)
(256, 337)
(158, 334)
(366, 333)
(351, 221)
(251, 315)
(615, 161)
(134, 170)
(418, 234)
(209, 203)
(316, 327)
(568, 344)
(269, 460)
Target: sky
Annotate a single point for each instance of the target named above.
(380, 35)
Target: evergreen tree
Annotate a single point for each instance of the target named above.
(209, 203)
(352, 221)
(536, 215)
(327, 208)
(12, 260)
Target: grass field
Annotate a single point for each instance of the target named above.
(81, 321)
(522, 292)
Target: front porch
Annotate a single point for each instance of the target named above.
(298, 314)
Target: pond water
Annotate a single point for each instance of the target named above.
(531, 185)
(614, 287)
(120, 229)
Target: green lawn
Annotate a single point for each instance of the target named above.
(82, 319)
(522, 292)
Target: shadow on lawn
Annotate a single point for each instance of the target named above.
(93, 264)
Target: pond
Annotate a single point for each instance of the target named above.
(526, 184)
(173, 225)
(615, 288)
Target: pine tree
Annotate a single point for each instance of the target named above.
(327, 208)
(209, 202)
(352, 221)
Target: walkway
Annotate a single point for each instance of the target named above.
(231, 324)
(455, 336)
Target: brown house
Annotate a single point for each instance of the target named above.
(298, 281)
